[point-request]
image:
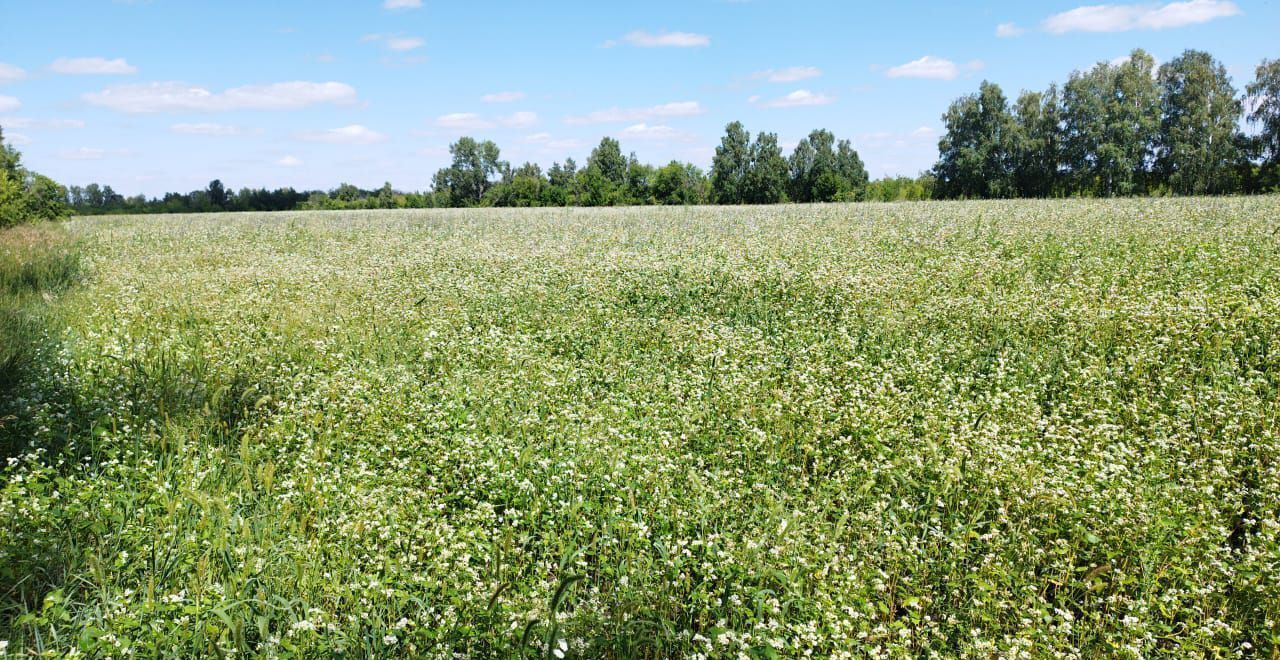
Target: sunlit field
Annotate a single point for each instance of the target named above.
(985, 429)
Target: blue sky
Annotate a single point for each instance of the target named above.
(159, 95)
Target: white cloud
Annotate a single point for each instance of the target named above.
(538, 137)
(463, 121)
(53, 124)
(644, 39)
(181, 97)
(92, 66)
(620, 115)
(206, 129)
(923, 132)
(1007, 30)
(396, 42)
(657, 133)
(933, 68)
(17, 139)
(11, 73)
(800, 98)
(519, 120)
(405, 43)
(789, 74)
(502, 97)
(83, 153)
(289, 161)
(753, 98)
(9, 103)
(353, 134)
(402, 4)
(1121, 18)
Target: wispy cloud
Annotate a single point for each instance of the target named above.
(519, 120)
(463, 121)
(799, 99)
(11, 73)
(51, 124)
(289, 161)
(789, 74)
(402, 4)
(353, 134)
(502, 97)
(92, 66)
(181, 97)
(1121, 18)
(1008, 30)
(9, 103)
(654, 133)
(933, 68)
(220, 130)
(396, 42)
(643, 39)
(620, 115)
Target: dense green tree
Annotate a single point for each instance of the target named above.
(823, 170)
(217, 195)
(639, 182)
(1038, 154)
(1264, 100)
(766, 179)
(607, 159)
(1199, 150)
(562, 184)
(25, 195)
(474, 169)
(1111, 117)
(976, 154)
(680, 184)
(852, 170)
(731, 165)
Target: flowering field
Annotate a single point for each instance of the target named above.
(993, 428)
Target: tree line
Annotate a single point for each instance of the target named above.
(1120, 128)
(744, 171)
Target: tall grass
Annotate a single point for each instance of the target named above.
(36, 262)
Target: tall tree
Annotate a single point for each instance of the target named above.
(1264, 100)
(1199, 150)
(217, 194)
(475, 165)
(607, 159)
(1038, 154)
(851, 169)
(731, 164)
(976, 152)
(766, 179)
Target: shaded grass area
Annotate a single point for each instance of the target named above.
(36, 263)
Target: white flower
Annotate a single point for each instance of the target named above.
(390, 640)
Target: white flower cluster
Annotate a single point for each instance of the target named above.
(1011, 429)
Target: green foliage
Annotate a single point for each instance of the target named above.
(26, 196)
(978, 152)
(981, 429)
(1199, 152)
(1117, 129)
(1264, 99)
(474, 169)
(822, 171)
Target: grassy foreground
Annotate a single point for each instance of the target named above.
(1040, 428)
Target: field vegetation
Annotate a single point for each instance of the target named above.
(981, 428)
